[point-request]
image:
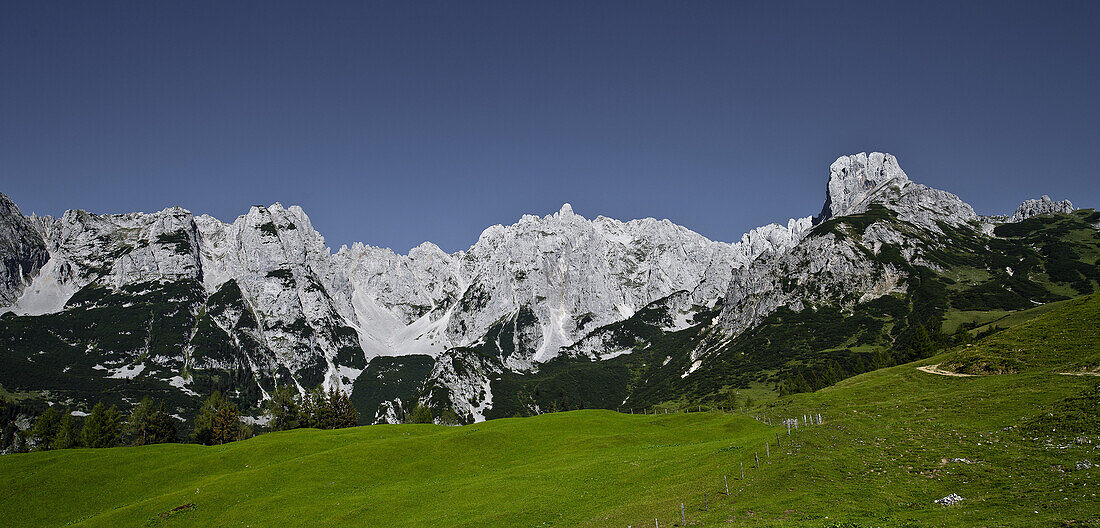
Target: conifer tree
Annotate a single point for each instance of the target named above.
(218, 421)
(45, 429)
(68, 435)
(102, 428)
(150, 423)
(448, 417)
(282, 409)
(343, 412)
(420, 415)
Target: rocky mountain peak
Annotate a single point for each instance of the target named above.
(861, 180)
(1041, 206)
(858, 180)
(22, 251)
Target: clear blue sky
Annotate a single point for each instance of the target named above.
(398, 122)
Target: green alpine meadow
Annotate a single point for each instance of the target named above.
(1016, 445)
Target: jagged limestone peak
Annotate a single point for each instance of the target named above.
(1043, 205)
(857, 180)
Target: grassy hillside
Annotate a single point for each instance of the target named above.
(887, 449)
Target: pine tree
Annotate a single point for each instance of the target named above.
(343, 412)
(306, 410)
(282, 409)
(45, 429)
(421, 415)
(448, 417)
(102, 428)
(218, 421)
(315, 410)
(922, 342)
(68, 436)
(150, 423)
(227, 425)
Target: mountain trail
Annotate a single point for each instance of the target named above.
(935, 369)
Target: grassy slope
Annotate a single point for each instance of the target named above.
(561, 469)
(880, 459)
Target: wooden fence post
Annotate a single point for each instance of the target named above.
(768, 448)
(706, 504)
(726, 484)
(683, 518)
(742, 471)
(777, 442)
(757, 455)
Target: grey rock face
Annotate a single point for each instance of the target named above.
(857, 181)
(825, 269)
(1041, 206)
(321, 316)
(22, 251)
(572, 273)
(831, 267)
(861, 180)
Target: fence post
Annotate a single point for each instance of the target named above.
(777, 442)
(706, 505)
(742, 471)
(757, 455)
(683, 518)
(768, 448)
(726, 484)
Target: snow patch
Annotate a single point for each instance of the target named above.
(126, 372)
(615, 353)
(181, 384)
(680, 320)
(485, 404)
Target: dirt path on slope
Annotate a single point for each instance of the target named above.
(935, 369)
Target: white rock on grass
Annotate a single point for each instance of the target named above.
(949, 500)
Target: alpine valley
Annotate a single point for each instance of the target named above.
(551, 313)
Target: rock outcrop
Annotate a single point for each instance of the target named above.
(861, 180)
(22, 251)
(1041, 206)
(839, 264)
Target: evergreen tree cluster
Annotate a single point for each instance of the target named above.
(219, 422)
(318, 409)
(149, 423)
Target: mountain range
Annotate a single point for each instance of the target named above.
(551, 312)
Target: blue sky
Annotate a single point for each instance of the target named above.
(397, 122)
